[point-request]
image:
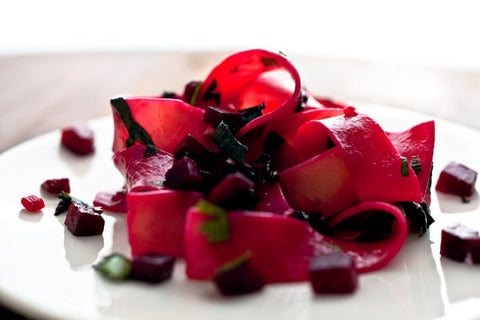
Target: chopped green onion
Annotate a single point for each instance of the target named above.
(416, 165)
(216, 229)
(404, 167)
(232, 264)
(228, 144)
(65, 201)
(135, 131)
(114, 267)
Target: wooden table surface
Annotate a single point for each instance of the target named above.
(40, 93)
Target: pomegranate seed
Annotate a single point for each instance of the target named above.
(78, 139)
(33, 203)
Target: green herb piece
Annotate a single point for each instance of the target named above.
(418, 215)
(216, 229)
(232, 264)
(136, 132)
(210, 94)
(282, 53)
(114, 267)
(404, 167)
(416, 165)
(465, 200)
(269, 62)
(65, 201)
(251, 113)
(193, 100)
(228, 144)
(333, 246)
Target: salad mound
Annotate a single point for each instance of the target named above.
(249, 161)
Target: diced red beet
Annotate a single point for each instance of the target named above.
(333, 273)
(84, 220)
(474, 249)
(79, 139)
(32, 203)
(55, 186)
(114, 201)
(183, 175)
(205, 159)
(455, 241)
(238, 279)
(152, 267)
(213, 116)
(457, 179)
(233, 185)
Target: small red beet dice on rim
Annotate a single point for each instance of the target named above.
(55, 186)
(84, 220)
(459, 240)
(333, 273)
(457, 179)
(152, 267)
(78, 139)
(33, 203)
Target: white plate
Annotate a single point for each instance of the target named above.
(47, 273)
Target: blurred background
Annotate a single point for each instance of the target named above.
(61, 61)
(420, 32)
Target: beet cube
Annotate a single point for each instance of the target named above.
(457, 179)
(78, 139)
(333, 273)
(455, 240)
(183, 175)
(239, 279)
(214, 116)
(84, 220)
(205, 159)
(152, 267)
(474, 249)
(55, 186)
(232, 186)
(32, 203)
